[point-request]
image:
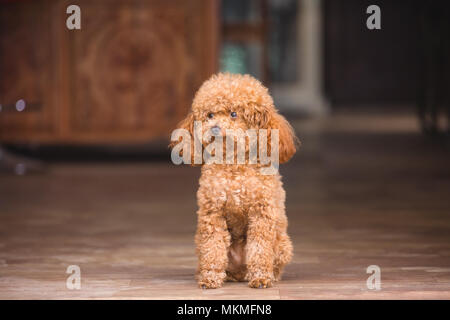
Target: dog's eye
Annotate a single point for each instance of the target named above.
(210, 115)
(233, 114)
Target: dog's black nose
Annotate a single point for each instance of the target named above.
(215, 130)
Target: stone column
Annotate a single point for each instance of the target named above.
(306, 95)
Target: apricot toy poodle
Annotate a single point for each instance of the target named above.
(242, 225)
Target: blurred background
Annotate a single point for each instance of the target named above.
(129, 75)
(85, 118)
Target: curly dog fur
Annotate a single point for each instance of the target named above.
(242, 225)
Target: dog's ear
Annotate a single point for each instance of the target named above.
(187, 124)
(256, 116)
(288, 142)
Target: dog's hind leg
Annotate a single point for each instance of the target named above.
(236, 269)
(282, 254)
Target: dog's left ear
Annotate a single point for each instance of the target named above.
(288, 142)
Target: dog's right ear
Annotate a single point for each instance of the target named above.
(186, 124)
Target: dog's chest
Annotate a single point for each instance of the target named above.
(233, 191)
(238, 192)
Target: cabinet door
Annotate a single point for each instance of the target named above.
(135, 66)
(26, 72)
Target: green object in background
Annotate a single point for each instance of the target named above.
(233, 59)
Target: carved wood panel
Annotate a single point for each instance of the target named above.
(129, 74)
(135, 66)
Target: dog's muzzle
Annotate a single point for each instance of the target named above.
(216, 130)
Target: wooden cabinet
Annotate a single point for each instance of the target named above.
(27, 70)
(129, 74)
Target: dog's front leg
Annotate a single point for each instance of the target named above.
(260, 238)
(212, 239)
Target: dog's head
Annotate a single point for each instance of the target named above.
(231, 102)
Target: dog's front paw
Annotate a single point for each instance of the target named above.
(260, 283)
(211, 280)
(209, 284)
